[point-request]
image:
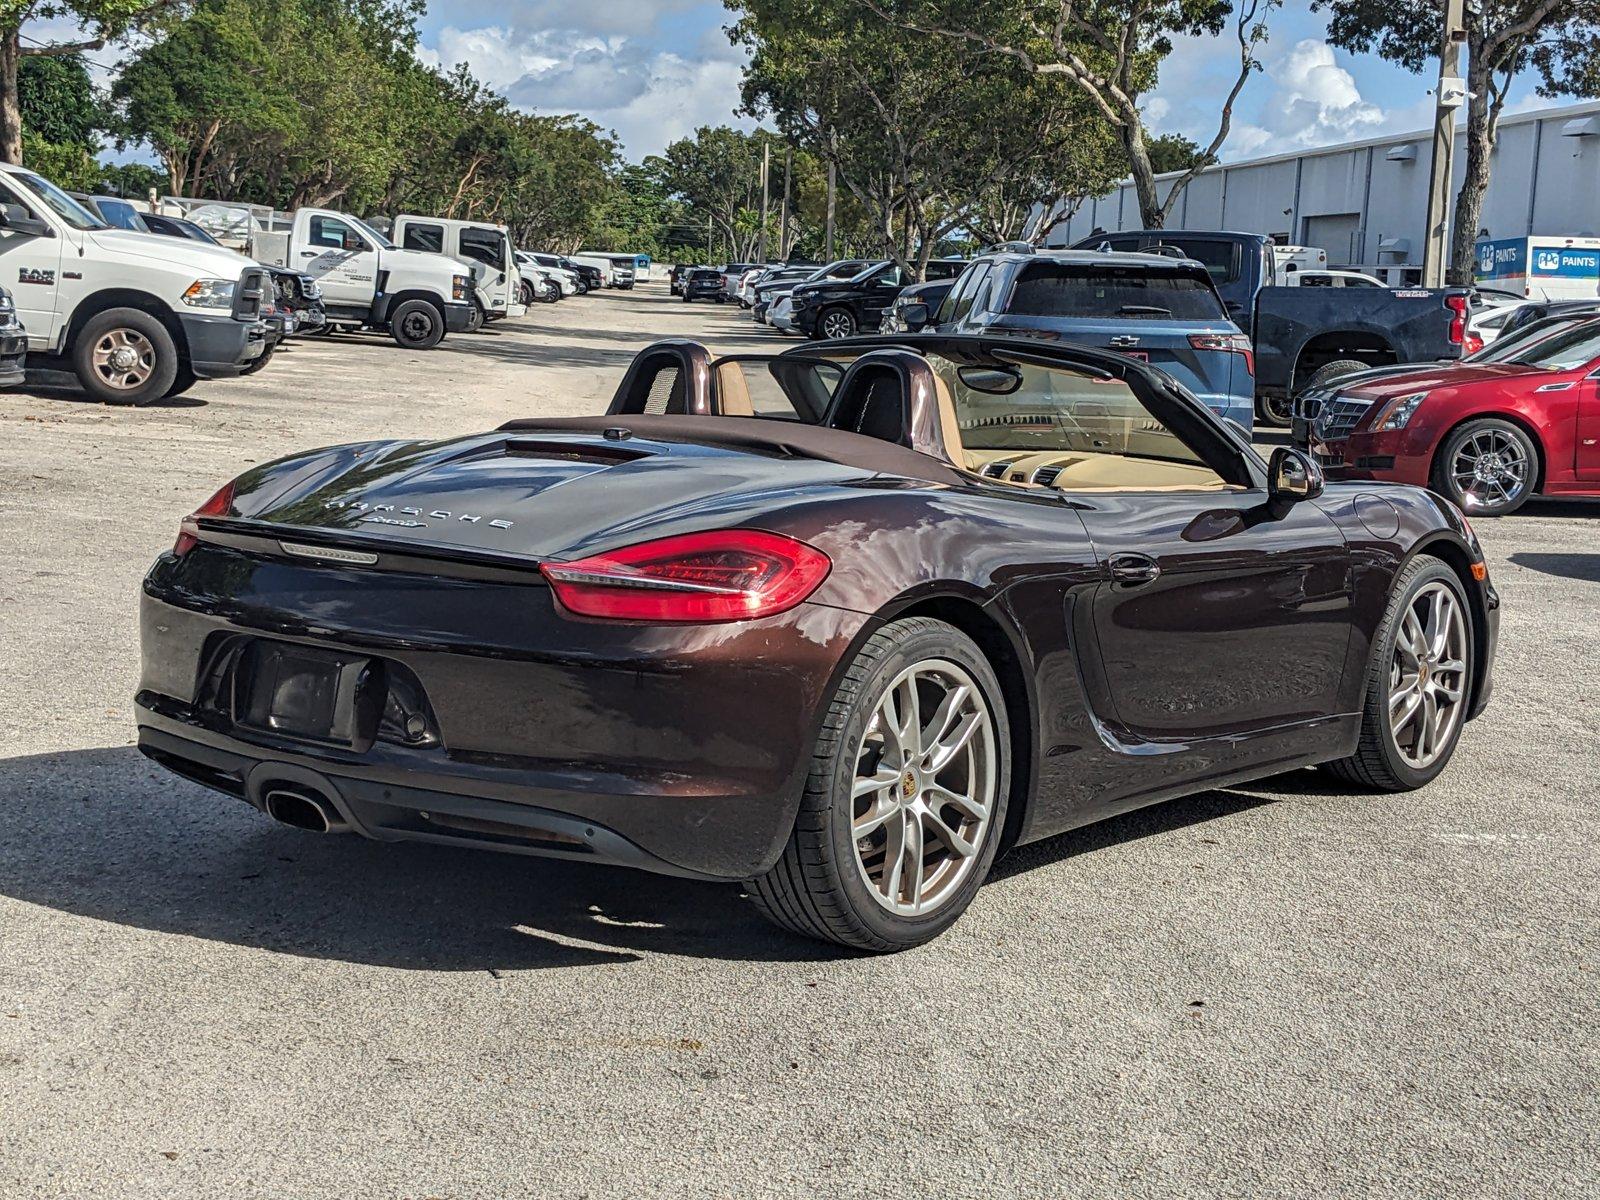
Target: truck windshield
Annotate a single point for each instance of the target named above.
(64, 206)
(1046, 289)
(377, 238)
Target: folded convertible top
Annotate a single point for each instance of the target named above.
(766, 436)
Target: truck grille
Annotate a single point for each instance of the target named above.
(1336, 417)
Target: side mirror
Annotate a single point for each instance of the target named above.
(916, 316)
(15, 218)
(1292, 476)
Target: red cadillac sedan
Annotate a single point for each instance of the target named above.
(1521, 417)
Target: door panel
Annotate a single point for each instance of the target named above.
(339, 258)
(1587, 461)
(1216, 618)
(30, 269)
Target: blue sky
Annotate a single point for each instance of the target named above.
(654, 69)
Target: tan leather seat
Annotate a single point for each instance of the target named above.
(732, 392)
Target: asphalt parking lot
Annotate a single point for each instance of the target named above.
(1281, 990)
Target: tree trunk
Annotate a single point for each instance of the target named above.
(1481, 130)
(1151, 211)
(10, 102)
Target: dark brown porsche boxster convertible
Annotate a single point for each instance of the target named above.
(844, 623)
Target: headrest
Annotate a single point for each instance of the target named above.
(690, 389)
(892, 395)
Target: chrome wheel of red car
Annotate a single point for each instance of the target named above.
(1487, 467)
(924, 787)
(1428, 675)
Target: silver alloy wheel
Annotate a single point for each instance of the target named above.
(924, 787)
(837, 324)
(1490, 469)
(123, 359)
(1428, 675)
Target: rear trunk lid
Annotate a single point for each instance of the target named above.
(531, 494)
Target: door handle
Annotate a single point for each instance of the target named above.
(308, 254)
(1133, 570)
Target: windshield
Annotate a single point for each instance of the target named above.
(1047, 289)
(191, 230)
(376, 237)
(63, 205)
(1507, 345)
(859, 276)
(1566, 350)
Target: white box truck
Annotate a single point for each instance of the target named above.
(1541, 268)
(136, 316)
(367, 281)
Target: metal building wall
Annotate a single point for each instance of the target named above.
(1372, 194)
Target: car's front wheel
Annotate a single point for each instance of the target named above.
(1488, 467)
(1418, 682)
(125, 356)
(837, 323)
(417, 325)
(906, 799)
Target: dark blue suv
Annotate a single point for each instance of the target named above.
(1163, 310)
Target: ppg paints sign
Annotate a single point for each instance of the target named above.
(1552, 268)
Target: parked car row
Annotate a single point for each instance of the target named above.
(141, 299)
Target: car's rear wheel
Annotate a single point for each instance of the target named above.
(836, 323)
(1418, 684)
(1279, 410)
(906, 799)
(1487, 467)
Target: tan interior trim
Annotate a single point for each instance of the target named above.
(732, 392)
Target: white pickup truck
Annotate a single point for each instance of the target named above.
(137, 316)
(367, 281)
(483, 249)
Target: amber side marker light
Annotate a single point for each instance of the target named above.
(1480, 571)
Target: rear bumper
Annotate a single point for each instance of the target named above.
(222, 346)
(690, 744)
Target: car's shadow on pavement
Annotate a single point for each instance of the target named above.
(108, 835)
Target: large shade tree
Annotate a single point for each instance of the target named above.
(1558, 39)
(1111, 52)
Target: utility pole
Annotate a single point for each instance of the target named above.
(710, 233)
(766, 170)
(1449, 96)
(783, 213)
(827, 239)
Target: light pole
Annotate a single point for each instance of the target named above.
(1451, 93)
(766, 170)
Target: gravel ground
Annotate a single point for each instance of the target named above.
(1279, 990)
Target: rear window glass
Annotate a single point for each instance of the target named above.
(1220, 259)
(1059, 290)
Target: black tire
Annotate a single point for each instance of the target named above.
(151, 356)
(185, 380)
(1278, 410)
(476, 319)
(416, 325)
(835, 323)
(261, 362)
(1377, 762)
(1510, 454)
(818, 888)
(525, 294)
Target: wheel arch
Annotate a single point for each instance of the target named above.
(1511, 418)
(1359, 345)
(95, 303)
(999, 645)
(396, 299)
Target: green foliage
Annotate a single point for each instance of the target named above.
(57, 100)
(1174, 152)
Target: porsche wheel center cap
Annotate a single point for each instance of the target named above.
(909, 785)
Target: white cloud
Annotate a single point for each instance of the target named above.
(648, 95)
(1316, 101)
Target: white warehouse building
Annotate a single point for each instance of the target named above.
(1365, 203)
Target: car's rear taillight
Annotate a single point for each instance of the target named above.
(1232, 343)
(728, 575)
(1458, 319)
(220, 505)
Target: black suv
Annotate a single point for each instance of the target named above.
(837, 308)
(704, 283)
